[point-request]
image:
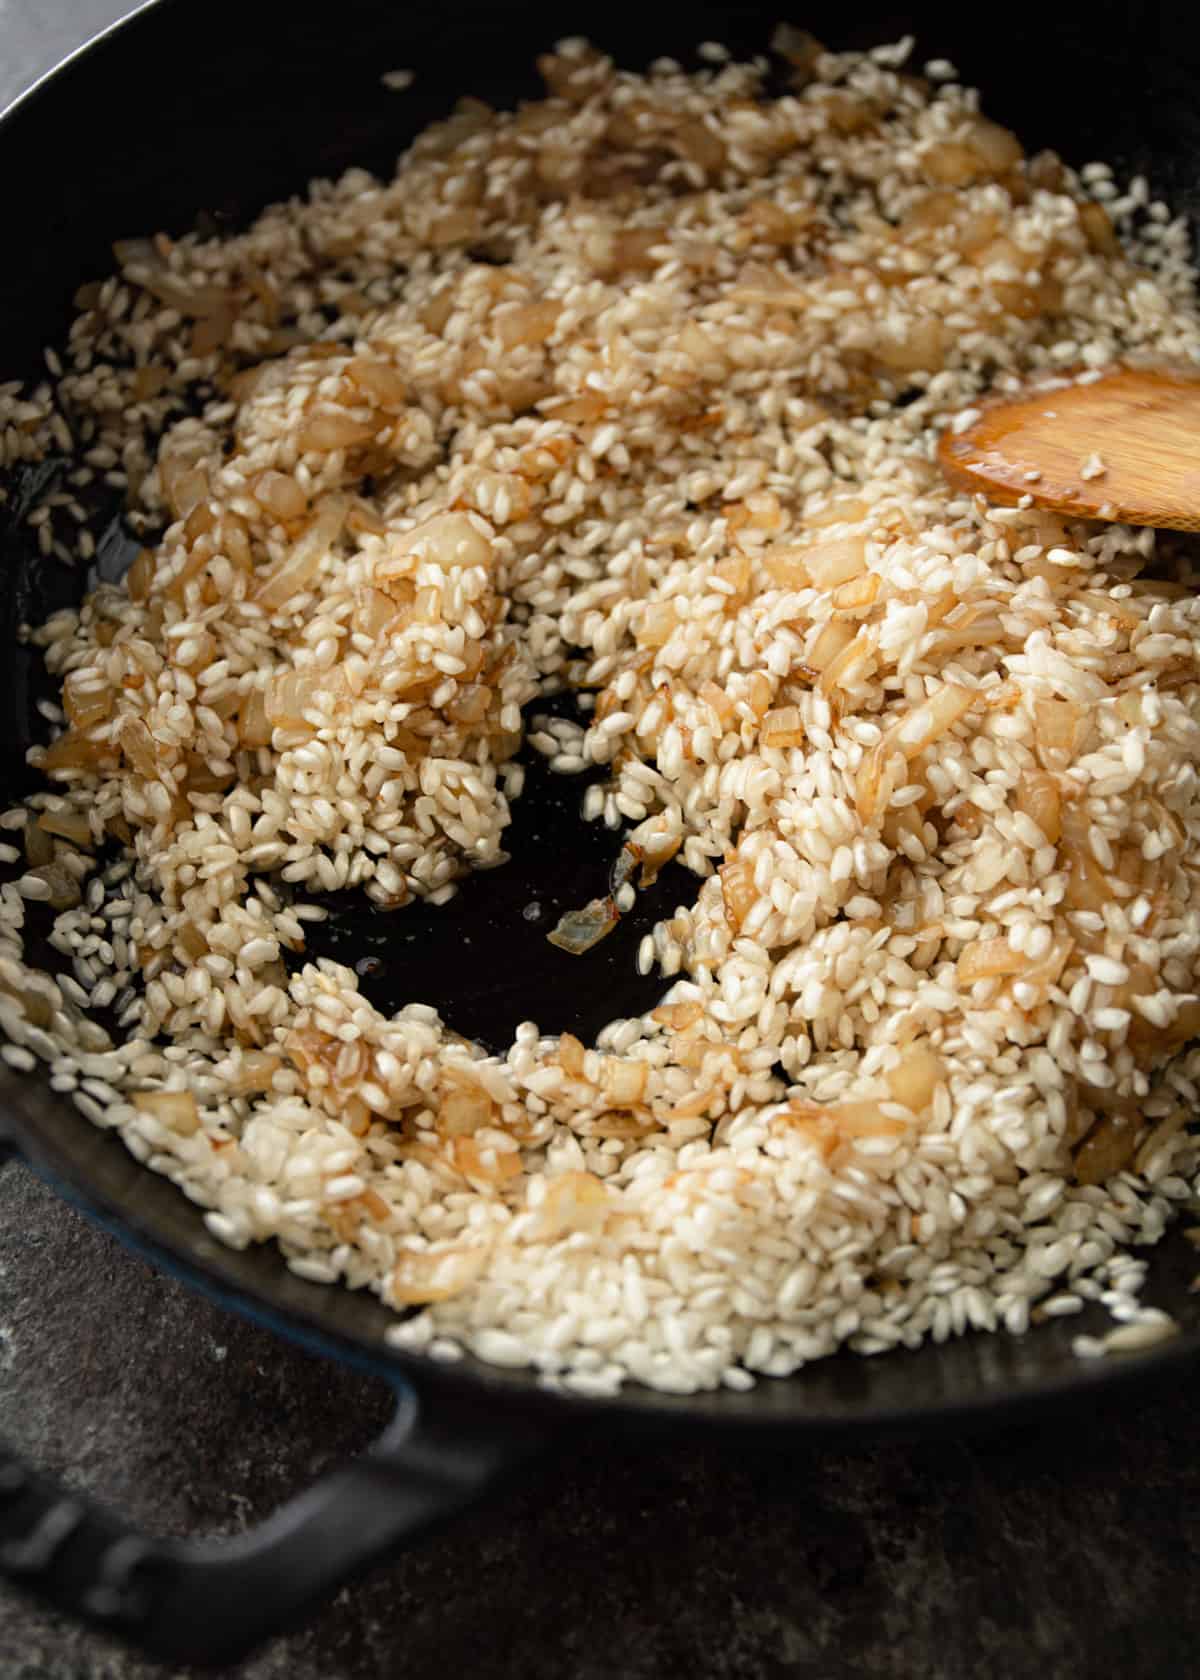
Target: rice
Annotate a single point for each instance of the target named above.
(636, 392)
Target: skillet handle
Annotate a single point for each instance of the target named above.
(208, 1602)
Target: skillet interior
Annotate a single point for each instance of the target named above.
(222, 108)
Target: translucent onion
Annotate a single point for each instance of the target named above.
(1037, 797)
(1059, 726)
(738, 891)
(989, 959)
(929, 721)
(831, 641)
(68, 824)
(138, 746)
(87, 698)
(489, 1165)
(526, 323)
(275, 586)
(463, 1106)
(63, 890)
(833, 1129)
(833, 563)
(184, 483)
(381, 382)
(574, 1201)
(852, 664)
(875, 783)
(255, 1072)
(293, 693)
(657, 852)
(570, 1055)
(253, 725)
(450, 540)
(916, 1078)
(622, 1083)
(174, 1109)
(1108, 1148)
(578, 930)
(322, 433)
(782, 728)
(435, 1274)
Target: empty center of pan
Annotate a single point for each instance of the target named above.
(483, 960)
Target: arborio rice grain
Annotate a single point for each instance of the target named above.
(636, 390)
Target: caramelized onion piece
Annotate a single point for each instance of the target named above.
(421, 1275)
(579, 930)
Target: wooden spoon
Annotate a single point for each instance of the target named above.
(1124, 447)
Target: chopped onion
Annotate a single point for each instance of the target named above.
(255, 1072)
(623, 868)
(573, 1201)
(464, 1106)
(175, 1109)
(1059, 727)
(138, 746)
(832, 563)
(738, 891)
(1088, 885)
(623, 1083)
(916, 1078)
(656, 624)
(677, 1016)
(281, 495)
(450, 540)
(785, 566)
(1108, 1148)
(1038, 798)
(858, 594)
(782, 728)
(526, 323)
(831, 641)
(435, 1274)
(579, 930)
(570, 1055)
(276, 585)
(75, 750)
(852, 664)
(87, 698)
(929, 721)
(253, 725)
(324, 432)
(628, 1127)
(831, 1129)
(68, 824)
(490, 1165)
(988, 959)
(879, 775)
(381, 382)
(292, 693)
(184, 483)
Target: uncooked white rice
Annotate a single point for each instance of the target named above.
(637, 390)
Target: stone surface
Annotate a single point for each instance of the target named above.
(1058, 1551)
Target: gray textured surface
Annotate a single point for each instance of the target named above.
(1059, 1552)
(36, 34)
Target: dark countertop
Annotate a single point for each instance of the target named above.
(1059, 1551)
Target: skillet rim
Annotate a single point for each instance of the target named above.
(212, 1269)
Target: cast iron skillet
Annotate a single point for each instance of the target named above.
(218, 108)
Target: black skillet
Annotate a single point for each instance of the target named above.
(218, 108)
